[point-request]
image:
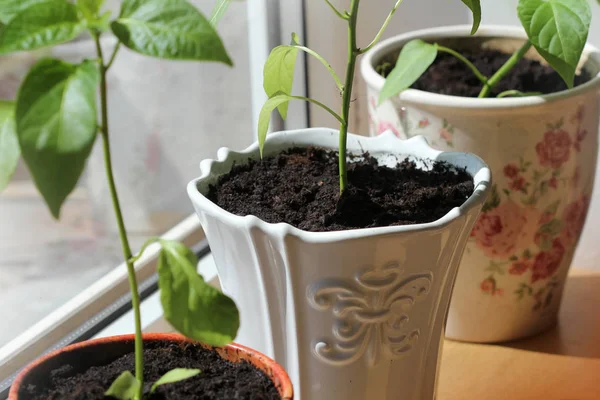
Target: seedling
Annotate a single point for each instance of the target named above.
(53, 125)
(558, 29)
(279, 76)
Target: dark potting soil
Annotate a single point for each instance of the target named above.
(301, 187)
(447, 75)
(219, 379)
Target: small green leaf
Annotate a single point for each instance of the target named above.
(475, 7)
(552, 227)
(171, 29)
(124, 387)
(265, 116)
(42, 24)
(278, 73)
(192, 306)
(175, 375)
(493, 201)
(9, 143)
(10, 8)
(558, 29)
(414, 59)
(56, 124)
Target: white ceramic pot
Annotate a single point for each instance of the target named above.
(542, 152)
(355, 314)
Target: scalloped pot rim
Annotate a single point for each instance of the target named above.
(328, 138)
(376, 81)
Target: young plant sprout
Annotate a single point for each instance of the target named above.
(53, 125)
(558, 29)
(279, 76)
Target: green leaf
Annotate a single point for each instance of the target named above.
(278, 73)
(414, 59)
(475, 7)
(56, 124)
(493, 201)
(10, 8)
(124, 387)
(265, 116)
(42, 24)
(173, 376)
(192, 306)
(171, 29)
(9, 143)
(552, 227)
(558, 29)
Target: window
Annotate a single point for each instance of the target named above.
(165, 117)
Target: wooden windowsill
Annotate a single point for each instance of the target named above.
(561, 364)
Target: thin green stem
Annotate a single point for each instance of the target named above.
(508, 65)
(323, 106)
(465, 61)
(139, 255)
(353, 52)
(383, 28)
(313, 53)
(113, 56)
(135, 297)
(336, 11)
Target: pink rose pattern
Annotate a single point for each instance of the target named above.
(526, 241)
(383, 126)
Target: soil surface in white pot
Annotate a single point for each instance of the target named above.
(450, 76)
(301, 187)
(219, 379)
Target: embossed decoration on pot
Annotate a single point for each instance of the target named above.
(102, 351)
(356, 314)
(542, 151)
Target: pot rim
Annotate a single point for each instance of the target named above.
(416, 146)
(376, 81)
(255, 357)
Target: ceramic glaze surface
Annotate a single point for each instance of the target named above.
(355, 314)
(542, 152)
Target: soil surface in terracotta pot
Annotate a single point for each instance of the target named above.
(219, 379)
(301, 187)
(447, 75)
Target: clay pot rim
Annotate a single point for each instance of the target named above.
(236, 351)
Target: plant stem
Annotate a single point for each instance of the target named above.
(383, 28)
(353, 52)
(482, 78)
(508, 65)
(135, 297)
(335, 10)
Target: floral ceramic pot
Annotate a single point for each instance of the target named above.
(542, 152)
(85, 355)
(356, 314)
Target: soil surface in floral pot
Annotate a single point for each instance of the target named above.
(301, 187)
(447, 75)
(219, 379)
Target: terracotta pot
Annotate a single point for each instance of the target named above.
(542, 151)
(356, 314)
(105, 350)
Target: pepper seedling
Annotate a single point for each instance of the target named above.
(53, 125)
(557, 29)
(279, 76)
